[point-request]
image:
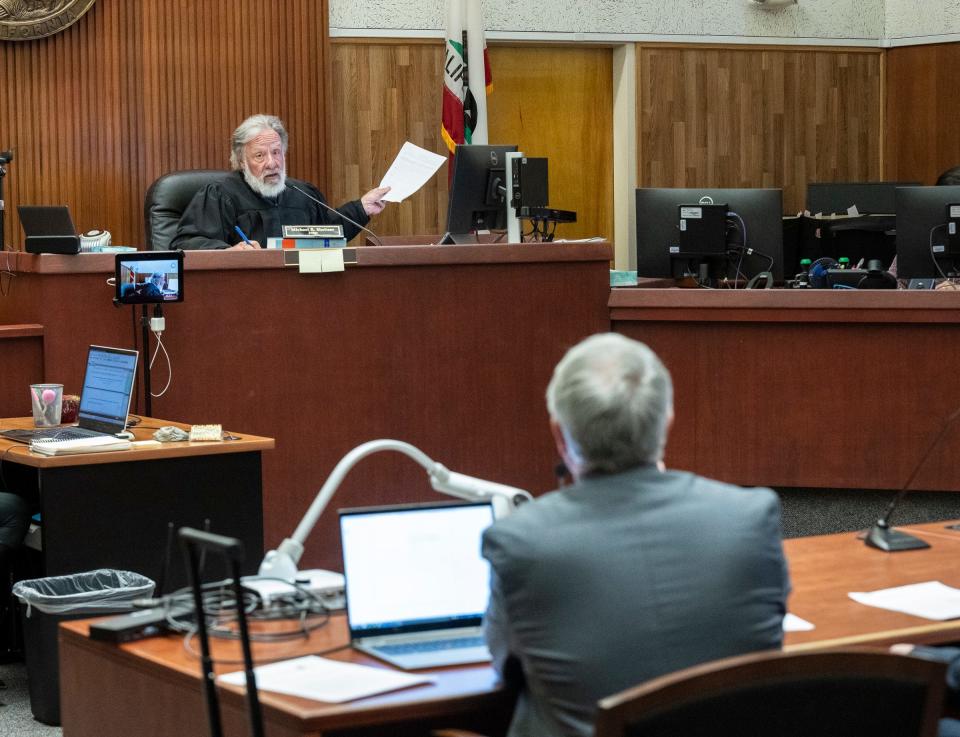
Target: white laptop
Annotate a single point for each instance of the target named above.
(416, 584)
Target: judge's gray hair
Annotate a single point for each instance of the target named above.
(613, 400)
(250, 129)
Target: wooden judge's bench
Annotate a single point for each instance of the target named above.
(447, 347)
(451, 348)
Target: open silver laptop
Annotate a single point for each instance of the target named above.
(416, 584)
(104, 399)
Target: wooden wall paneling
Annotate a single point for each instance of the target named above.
(134, 90)
(557, 101)
(383, 94)
(921, 112)
(757, 117)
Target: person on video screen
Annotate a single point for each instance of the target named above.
(152, 289)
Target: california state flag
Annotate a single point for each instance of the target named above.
(466, 76)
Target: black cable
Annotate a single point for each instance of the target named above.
(933, 255)
(136, 347)
(220, 607)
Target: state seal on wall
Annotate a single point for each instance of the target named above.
(22, 20)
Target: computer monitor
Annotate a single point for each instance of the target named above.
(478, 189)
(870, 198)
(756, 220)
(924, 247)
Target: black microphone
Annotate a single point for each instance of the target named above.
(881, 535)
(335, 212)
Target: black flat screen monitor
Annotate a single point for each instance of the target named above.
(147, 277)
(478, 189)
(761, 211)
(870, 198)
(921, 229)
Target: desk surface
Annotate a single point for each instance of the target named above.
(824, 569)
(20, 453)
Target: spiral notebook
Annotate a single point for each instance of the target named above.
(54, 447)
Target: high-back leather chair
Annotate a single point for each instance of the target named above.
(826, 694)
(167, 198)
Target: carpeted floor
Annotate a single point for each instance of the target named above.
(15, 717)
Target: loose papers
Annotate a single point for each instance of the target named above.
(322, 679)
(413, 167)
(930, 600)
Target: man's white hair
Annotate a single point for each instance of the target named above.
(250, 129)
(613, 399)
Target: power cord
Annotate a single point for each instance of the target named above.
(220, 608)
(160, 346)
(933, 255)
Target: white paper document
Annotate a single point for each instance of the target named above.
(413, 167)
(930, 600)
(793, 623)
(322, 679)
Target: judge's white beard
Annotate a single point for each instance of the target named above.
(262, 188)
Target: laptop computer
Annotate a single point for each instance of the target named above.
(416, 584)
(104, 399)
(43, 220)
(48, 229)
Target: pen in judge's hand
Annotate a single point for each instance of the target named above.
(247, 243)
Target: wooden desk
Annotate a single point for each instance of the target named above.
(811, 388)
(826, 567)
(152, 688)
(447, 347)
(111, 510)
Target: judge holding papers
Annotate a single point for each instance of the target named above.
(257, 199)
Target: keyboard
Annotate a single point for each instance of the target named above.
(53, 433)
(430, 646)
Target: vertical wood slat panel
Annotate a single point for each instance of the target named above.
(922, 111)
(555, 102)
(383, 94)
(136, 89)
(764, 117)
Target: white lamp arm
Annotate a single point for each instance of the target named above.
(282, 562)
(340, 471)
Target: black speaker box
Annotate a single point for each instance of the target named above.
(67, 244)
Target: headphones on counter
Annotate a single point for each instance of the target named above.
(94, 240)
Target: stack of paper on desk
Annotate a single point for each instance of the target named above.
(52, 447)
(322, 679)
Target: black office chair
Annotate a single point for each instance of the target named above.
(826, 694)
(167, 198)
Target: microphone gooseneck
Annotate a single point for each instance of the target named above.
(335, 211)
(881, 535)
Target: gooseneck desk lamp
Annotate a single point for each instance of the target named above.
(282, 562)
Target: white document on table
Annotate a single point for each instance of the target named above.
(930, 600)
(413, 167)
(793, 623)
(322, 679)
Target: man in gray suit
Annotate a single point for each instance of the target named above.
(633, 571)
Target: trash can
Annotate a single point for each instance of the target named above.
(45, 602)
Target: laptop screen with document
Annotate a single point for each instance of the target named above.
(107, 388)
(415, 567)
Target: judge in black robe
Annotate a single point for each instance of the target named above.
(209, 220)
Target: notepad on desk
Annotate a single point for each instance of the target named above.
(322, 679)
(53, 447)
